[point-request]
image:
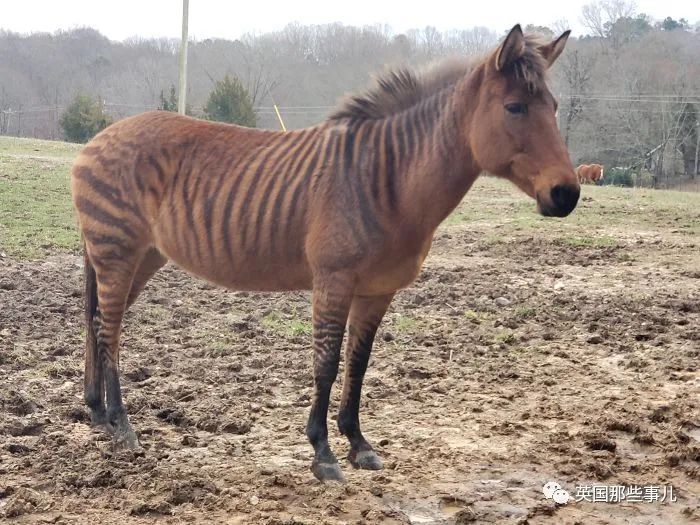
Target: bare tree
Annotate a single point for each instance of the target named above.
(616, 9)
(259, 74)
(599, 16)
(592, 18)
(560, 25)
(577, 71)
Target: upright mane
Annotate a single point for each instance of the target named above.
(399, 89)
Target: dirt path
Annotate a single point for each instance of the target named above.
(510, 363)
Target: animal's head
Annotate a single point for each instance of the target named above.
(515, 132)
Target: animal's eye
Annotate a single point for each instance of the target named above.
(516, 108)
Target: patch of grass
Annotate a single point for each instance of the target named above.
(472, 315)
(277, 322)
(477, 317)
(454, 218)
(493, 240)
(273, 321)
(506, 337)
(525, 312)
(300, 327)
(60, 370)
(590, 242)
(36, 212)
(404, 323)
(219, 346)
(36, 148)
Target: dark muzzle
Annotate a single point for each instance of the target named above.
(563, 201)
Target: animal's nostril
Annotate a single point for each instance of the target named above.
(565, 197)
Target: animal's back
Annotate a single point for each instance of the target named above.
(219, 200)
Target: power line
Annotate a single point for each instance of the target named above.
(682, 100)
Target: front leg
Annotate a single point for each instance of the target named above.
(365, 315)
(331, 303)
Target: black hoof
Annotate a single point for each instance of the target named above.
(365, 459)
(98, 418)
(327, 472)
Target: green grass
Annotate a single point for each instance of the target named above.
(525, 312)
(506, 337)
(300, 327)
(33, 148)
(405, 324)
(279, 323)
(36, 213)
(477, 317)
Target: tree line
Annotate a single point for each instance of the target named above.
(628, 91)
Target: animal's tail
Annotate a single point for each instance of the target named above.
(90, 304)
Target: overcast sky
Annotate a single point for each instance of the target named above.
(120, 19)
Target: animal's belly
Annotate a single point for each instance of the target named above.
(238, 269)
(252, 275)
(391, 275)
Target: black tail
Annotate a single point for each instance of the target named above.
(90, 298)
(93, 375)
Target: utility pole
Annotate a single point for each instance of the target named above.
(697, 147)
(182, 95)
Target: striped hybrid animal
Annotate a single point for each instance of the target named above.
(346, 209)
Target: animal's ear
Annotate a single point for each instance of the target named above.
(511, 49)
(551, 51)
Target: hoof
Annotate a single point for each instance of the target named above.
(98, 418)
(327, 472)
(126, 439)
(365, 459)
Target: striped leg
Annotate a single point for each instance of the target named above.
(365, 315)
(94, 369)
(114, 278)
(331, 303)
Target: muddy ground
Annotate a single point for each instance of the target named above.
(515, 359)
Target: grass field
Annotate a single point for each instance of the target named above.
(528, 350)
(36, 214)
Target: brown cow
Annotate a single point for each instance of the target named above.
(589, 173)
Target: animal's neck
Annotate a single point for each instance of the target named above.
(440, 167)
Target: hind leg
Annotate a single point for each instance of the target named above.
(114, 281)
(151, 262)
